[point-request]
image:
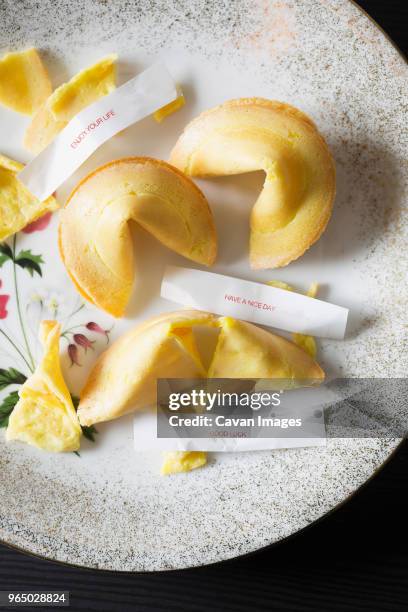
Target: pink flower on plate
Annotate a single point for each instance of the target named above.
(3, 303)
(83, 341)
(38, 225)
(73, 354)
(92, 326)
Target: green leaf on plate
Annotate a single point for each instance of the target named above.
(5, 253)
(11, 377)
(29, 261)
(29, 265)
(7, 407)
(89, 432)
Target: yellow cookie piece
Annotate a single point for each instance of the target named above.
(124, 378)
(170, 108)
(312, 291)
(24, 82)
(251, 134)
(10, 164)
(280, 285)
(247, 351)
(176, 462)
(98, 253)
(306, 342)
(68, 100)
(84, 88)
(44, 416)
(18, 207)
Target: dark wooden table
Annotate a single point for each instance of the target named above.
(355, 559)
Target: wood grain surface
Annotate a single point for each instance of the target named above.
(355, 559)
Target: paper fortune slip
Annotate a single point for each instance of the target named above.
(145, 439)
(97, 123)
(254, 302)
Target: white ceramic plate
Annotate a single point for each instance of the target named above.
(109, 508)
